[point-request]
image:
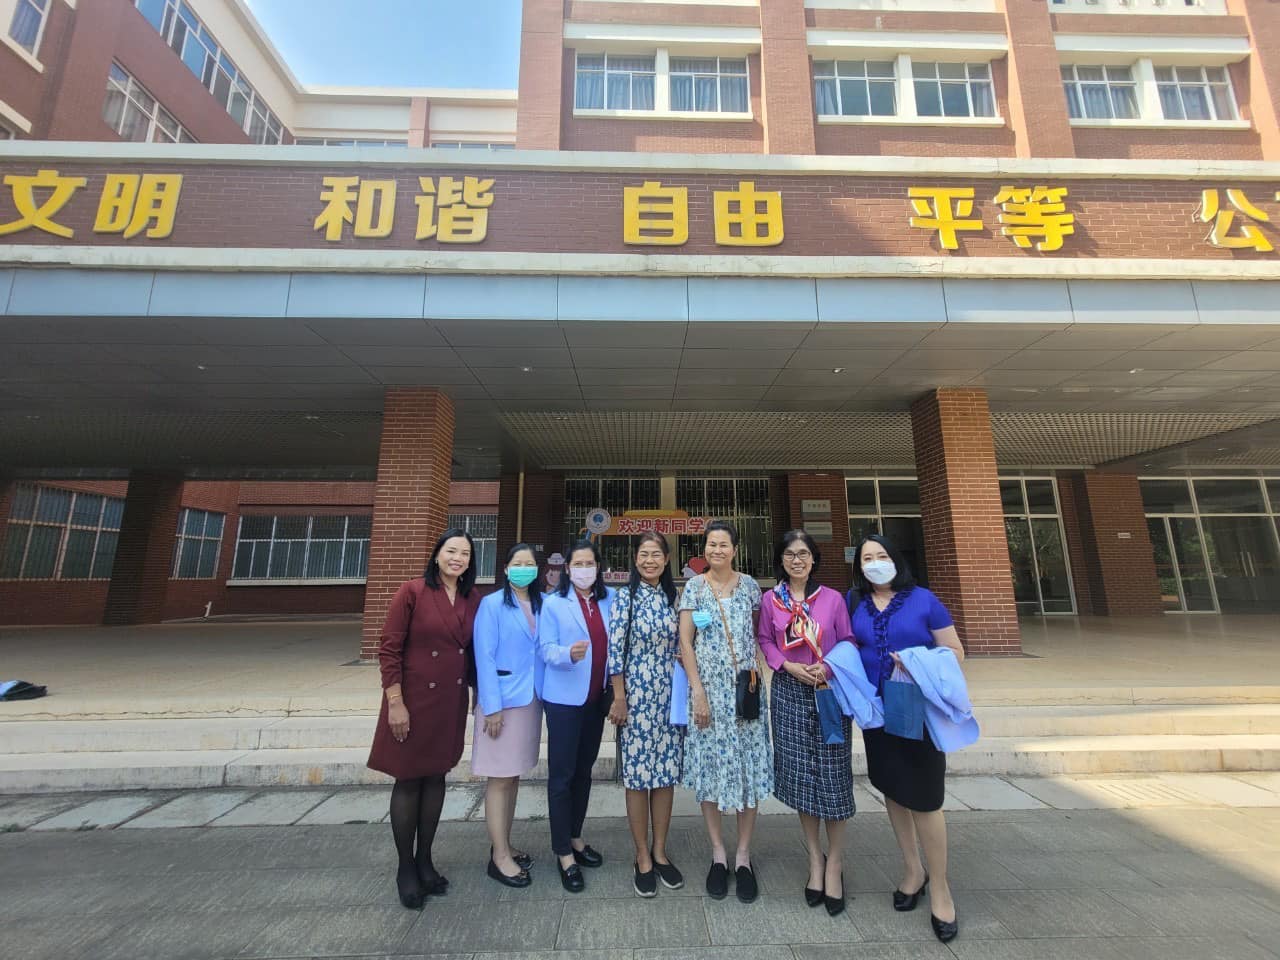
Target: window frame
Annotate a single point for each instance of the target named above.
(893, 81)
(65, 528)
(471, 145)
(183, 541)
(661, 88)
(719, 75)
(32, 51)
(1074, 84)
(1151, 113)
(130, 85)
(7, 132)
(246, 578)
(969, 81)
(1204, 83)
(486, 546)
(348, 142)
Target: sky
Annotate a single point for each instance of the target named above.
(415, 43)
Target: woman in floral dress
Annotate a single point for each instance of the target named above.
(642, 649)
(728, 762)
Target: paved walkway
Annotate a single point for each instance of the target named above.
(1042, 884)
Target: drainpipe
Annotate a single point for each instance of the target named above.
(520, 508)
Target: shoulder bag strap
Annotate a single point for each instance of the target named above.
(727, 632)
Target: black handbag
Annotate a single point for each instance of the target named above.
(747, 687)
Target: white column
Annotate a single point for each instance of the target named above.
(1144, 72)
(906, 88)
(662, 81)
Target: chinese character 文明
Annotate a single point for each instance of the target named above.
(655, 215)
(757, 215)
(1249, 237)
(462, 209)
(1035, 213)
(40, 213)
(945, 209)
(134, 202)
(374, 212)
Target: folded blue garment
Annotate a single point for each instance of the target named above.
(679, 696)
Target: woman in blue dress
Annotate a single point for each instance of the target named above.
(890, 613)
(643, 641)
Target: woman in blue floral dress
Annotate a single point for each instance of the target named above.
(728, 762)
(642, 648)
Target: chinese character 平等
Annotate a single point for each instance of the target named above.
(948, 210)
(40, 213)
(1035, 214)
(455, 212)
(374, 212)
(756, 215)
(654, 214)
(134, 202)
(1249, 237)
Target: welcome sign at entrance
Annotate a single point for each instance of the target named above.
(568, 211)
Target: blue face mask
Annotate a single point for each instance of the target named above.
(521, 576)
(701, 619)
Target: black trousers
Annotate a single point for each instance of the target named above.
(573, 740)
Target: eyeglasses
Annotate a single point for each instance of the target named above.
(797, 555)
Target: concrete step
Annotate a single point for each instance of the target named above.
(998, 756)
(324, 732)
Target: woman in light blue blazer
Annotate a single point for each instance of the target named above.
(573, 643)
(508, 721)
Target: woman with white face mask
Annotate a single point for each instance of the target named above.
(891, 613)
(573, 642)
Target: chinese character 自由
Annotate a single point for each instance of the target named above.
(756, 215)
(655, 215)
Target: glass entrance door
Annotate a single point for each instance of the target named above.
(1245, 562)
(1180, 565)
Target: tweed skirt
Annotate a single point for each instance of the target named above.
(810, 776)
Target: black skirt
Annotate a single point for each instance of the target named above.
(911, 773)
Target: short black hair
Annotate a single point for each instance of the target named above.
(432, 573)
(720, 525)
(902, 580)
(665, 583)
(779, 568)
(598, 590)
(509, 598)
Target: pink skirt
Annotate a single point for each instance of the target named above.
(515, 752)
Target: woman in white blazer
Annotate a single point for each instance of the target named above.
(573, 643)
(508, 721)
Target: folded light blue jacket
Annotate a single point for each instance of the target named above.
(948, 714)
(856, 694)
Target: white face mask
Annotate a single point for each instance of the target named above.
(880, 572)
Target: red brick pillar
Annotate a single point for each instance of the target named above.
(788, 90)
(1041, 127)
(1115, 559)
(144, 554)
(833, 572)
(6, 499)
(1260, 73)
(410, 500)
(962, 517)
(419, 122)
(538, 113)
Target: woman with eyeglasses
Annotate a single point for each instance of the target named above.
(643, 640)
(800, 621)
(573, 642)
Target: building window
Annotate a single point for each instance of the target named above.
(1195, 93)
(27, 25)
(198, 543)
(483, 528)
(56, 534)
(953, 89)
(6, 133)
(613, 82)
(335, 142)
(134, 114)
(1100, 93)
(327, 547)
(709, 85)
(742, 500)
(855, 88)
(470, 145)
(194, 44)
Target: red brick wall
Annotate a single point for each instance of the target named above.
(541, 63)
(22, 86)
(140, 574)
(344, 496)
(833, 572)
(963, 519)
(1038, 109)
(411, 503)
(788, 112)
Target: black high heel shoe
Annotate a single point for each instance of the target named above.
(409, 888)
(906, 902)
(944, 930)
(835, 905)
(814, 897)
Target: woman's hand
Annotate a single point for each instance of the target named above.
(618, 712)
(701, 709)
(805, 674)
(897, 660)
(493, 725)
(578, 651)
(398, 720)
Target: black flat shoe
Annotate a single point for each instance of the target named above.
(943, 930)
(645, 884)
(521, 879)
(835, 905)
(814, 897)
(433, 884)
(571, 879)
(906, 902)
(586, 857)
(523, 860)
(718, 881)
(409, 889)
(671, 877)
(745, 884)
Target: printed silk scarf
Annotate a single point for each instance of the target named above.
(802, 628)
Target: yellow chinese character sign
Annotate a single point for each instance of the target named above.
(454, 211)
(132, 202)
(1250, 237)
(38, 214)
(373, 213)
(947, 210)
(1035, 215)
(747, 217)
(655, 215)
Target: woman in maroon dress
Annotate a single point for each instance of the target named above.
(426, 648)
